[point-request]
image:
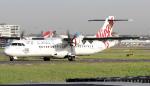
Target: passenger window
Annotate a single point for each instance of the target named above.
(19, 44)
(14, 44)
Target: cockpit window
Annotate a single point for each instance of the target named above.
(17, 44)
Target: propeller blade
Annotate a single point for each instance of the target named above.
(22, 35)
(70, 43)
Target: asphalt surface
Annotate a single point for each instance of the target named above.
(77, 61)
(81, 84)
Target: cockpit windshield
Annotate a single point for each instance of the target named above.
(17, 44)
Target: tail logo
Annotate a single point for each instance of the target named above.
(107, 31)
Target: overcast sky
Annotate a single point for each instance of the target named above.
(36, 15)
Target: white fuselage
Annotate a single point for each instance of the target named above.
(53, 47)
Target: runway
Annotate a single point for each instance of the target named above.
(76, 61)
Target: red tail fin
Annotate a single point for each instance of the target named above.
(47, 34)
(106, 30)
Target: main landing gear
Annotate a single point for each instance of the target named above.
(71, 58)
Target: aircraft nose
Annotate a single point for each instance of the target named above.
(6, 51)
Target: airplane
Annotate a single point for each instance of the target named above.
(48, 34)
(43, 35)
(70, 47)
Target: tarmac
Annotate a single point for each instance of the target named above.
(76, 61)
(81, 84)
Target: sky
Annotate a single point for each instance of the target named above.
(35, 16)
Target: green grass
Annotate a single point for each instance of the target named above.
(117, 53)
(58, 72)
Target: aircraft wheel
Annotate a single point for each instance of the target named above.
(11, 58)
(71, 58)
(46, 59)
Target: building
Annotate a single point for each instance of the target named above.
(8, 33)
(9, 30)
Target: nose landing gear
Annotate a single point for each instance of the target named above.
(11, 58)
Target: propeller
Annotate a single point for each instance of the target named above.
(70, 43)
(22, 35)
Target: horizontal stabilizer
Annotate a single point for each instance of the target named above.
(111, 38)
(111, 20)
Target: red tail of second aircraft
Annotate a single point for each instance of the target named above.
(47, 34)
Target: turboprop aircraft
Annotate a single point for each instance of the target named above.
(68, 47)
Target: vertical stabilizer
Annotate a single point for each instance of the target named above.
(106, 30)
(47, 34)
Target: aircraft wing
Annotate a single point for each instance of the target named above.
(103, 39)
(111, 38)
